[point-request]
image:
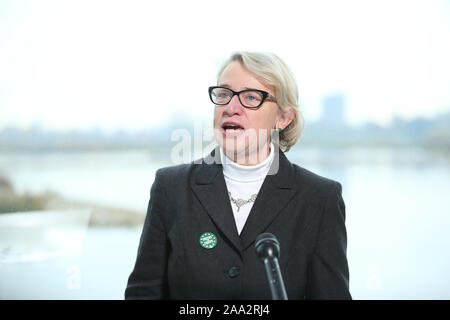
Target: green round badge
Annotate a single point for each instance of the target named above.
(208, 240)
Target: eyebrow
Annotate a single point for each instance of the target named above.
(245, 88)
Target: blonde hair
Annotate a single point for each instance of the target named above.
(271, 70)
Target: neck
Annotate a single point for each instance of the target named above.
(245, 158)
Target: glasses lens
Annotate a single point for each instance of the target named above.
(221, 95)
(251, 99)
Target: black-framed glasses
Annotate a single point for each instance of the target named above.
(249, 98)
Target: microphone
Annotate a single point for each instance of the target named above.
(268, 250)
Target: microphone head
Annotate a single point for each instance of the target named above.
(267, 245)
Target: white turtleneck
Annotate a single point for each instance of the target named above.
(243, 182)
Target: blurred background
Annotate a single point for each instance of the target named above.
(92, 92)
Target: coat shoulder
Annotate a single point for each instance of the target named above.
(316, 184)
(178, 176)
(174, 178)
(170, 173)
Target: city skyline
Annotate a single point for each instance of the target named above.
(326, 132)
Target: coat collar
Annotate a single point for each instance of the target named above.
(276, 191)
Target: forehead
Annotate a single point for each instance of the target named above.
(239, 78)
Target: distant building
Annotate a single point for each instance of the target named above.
(333, 111)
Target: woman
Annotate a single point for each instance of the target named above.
(203, 218)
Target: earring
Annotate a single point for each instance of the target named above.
(279, 130)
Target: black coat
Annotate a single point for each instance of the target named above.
(303, 210)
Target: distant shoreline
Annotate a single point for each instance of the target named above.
(429, 133)
(101, 216)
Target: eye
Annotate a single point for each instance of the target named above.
(221, 94)
(252, 97)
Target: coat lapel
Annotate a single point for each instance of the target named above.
(276, 191)
(210, 189)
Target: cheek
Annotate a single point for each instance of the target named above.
(265, 120)
(217, 116)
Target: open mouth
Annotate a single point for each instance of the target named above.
(231, 129)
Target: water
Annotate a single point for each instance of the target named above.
(398, 217)
(121, 179)
(99, 271)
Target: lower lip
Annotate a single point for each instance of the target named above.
(232, 132)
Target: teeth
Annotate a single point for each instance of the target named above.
(233, 129)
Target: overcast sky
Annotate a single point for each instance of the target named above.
(134, 64)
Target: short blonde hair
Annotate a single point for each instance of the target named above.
(271, 70)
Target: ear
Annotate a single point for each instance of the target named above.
(284, 118)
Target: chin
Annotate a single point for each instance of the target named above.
(241, 147)
(233, 147)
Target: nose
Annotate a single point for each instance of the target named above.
(233, 107)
